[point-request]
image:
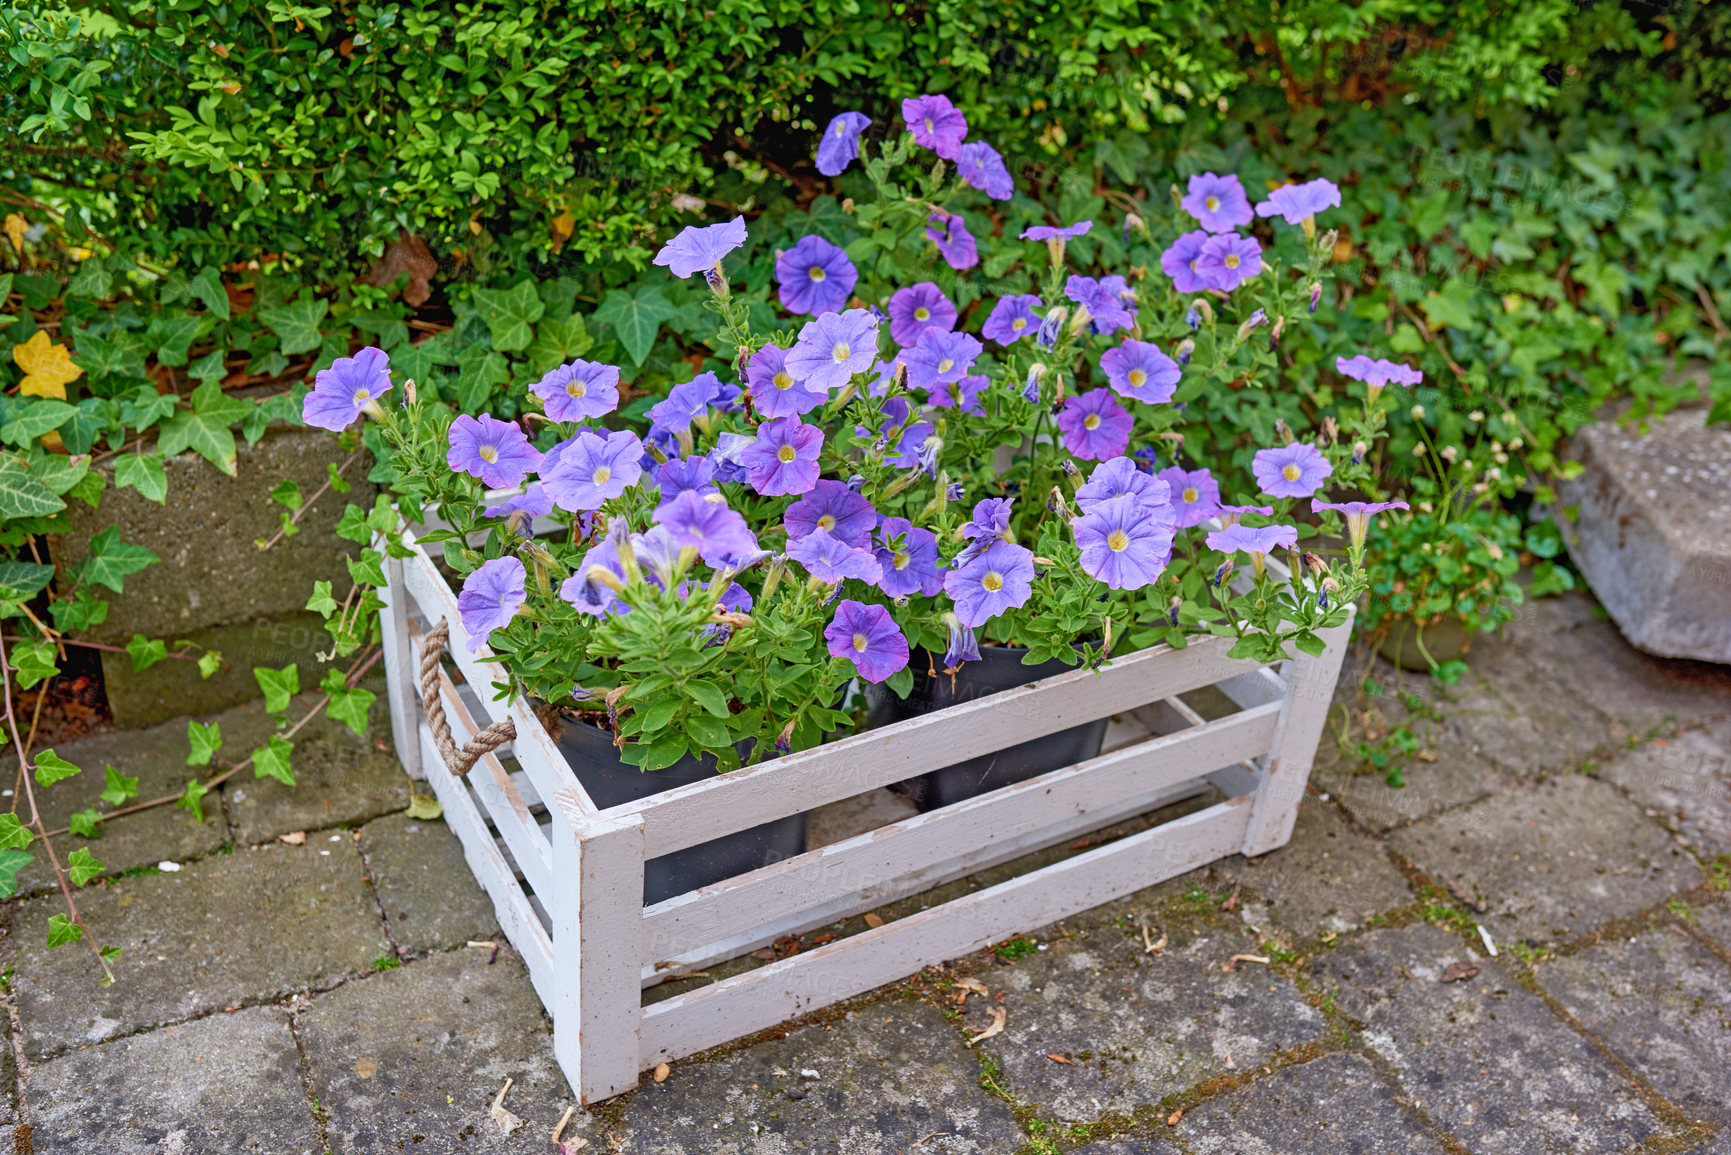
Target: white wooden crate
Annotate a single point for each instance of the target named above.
(568, 887)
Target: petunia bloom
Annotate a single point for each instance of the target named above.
(774, 392)
(936, 124)
(718, 533)
(1217, 202)
(1295, 470)
(832, 505)
(350, 386)
(840, 144)
(1258, 543)
(830, 559)
(815, 277)
(1119, 477)
(955, 243)
(1012, 318)
(1094, 426)
(963, 394)
(1125, 541)
(589, 595)
(979, 164)
(1230, 515)
(1056, 232)
(1108, 301)
(699, 249)
(521, 511)
(783, 459)
(1357, 515)
(831, 349)
(1195, 494)
(1179, 262)
(691, 401)
(592, 469)
(495, 451)
(964, 646)
(1228, 260)
(1298, 202)
(578, 391)
(869, 638)
(908, 556)
(1377, 373)
(940, 358)
(694, 474)
(1001, 578)
(1140, 371)
(491, 597)
(916, 308)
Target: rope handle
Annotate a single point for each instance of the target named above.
(458, 760)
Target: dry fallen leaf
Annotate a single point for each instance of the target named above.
(1059, 1059)
(1237, 959)
(997, 1027)
(567, 1147)
(1149, 945)
(293, 838)
(507, 1121)
(662, 1070)
(1231, 902)
(48, 368)
(15, 227)
(873, 921)
(1463, 969)
(1172, 1119)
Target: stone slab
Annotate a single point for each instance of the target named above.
(1136, 1027)
(211, 573)
(430, 897)
(1328, 878)
(339, 779)
(1431, 788)
(1136, 1146)
(1335, 1105)
(1653, 532)
(1483, 1057)
(1552, 862)
(891, 1078)
(157, 758)
(1687, 779)
(411, 1059)
(228, 1083)
(253, 926)
(1715, 922)
(1663, 1002)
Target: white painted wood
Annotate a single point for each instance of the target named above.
(399, 655)
(1256, 688)
(563, 907)
(610, 886)
(715, 1014)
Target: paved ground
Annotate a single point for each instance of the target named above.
(1571, 798)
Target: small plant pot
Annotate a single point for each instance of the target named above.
(1406, 644)
(999, 668)
(611, 781)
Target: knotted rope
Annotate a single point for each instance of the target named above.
(458, 760)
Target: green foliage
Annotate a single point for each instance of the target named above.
(11, 862)
(191, 800)
(82, 866)
(272, 760)
(52, 768)
(63, 931)
(203, 739)
(118, 787)
(84, 823)
(278, 686)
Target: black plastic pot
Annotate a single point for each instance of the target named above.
(613, 782)
(999, 668)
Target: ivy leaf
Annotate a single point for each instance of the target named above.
(189, 800)
(84, 824)
(636, 318)
(296, 324)
(11, 862)
(353, 525)
(62, 930)
(367, 570)
(557, 342)
(272, 761)
(52, 768)
(210, 438)
(34, 662)
(143, 472)
(27, 578)
(348, 706)
(14, 835)
(92, 281)
(278, 686)
(48, 367)
(510, 314)
(417, 362)
(145, 652)
(207, 287)
(171, 337)
(119, 787)
(82, 865)
(479, 371)
(322, 601)
(22, 495)
(28, 422)
(110, 559)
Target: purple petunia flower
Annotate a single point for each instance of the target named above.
(1357, 515)
(990, 521)
(491, 597)
(830, 559)
(578, 391)
(964, 394)
(869, 638)
(979, 164)
(936, 124)
(1107, 301)
(1228, 260)
(1140, 371)
(1377, 372)
(940, 358)
(1119, 477)
(831, 349)
(1297, 202)
(494, 451)
(1056, 233)
(521, 511)
(955, 243)
(1258, 543)
(1012, 318)
(815, 277)
(588, 595)
(1095, 427)
(1195, 494)
(592, 469)
(915, 309)
(719, 533)
(691, 401)
(1234, 514)
(783, 459)
(999, 579)
(908, 556)
(840, 144)
(349, 386)
(698, 249)
(1125, 541)
(964, 646)
(1294, 470)
(833, 506)
(1218, 202)
(1179, 262)
(774, 392)
(694, 474)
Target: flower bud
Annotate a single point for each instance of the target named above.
(1080, 320)
(1274, 337)
(1359, 449)
(717, 281)
(1283, 431)
(1031, 389)
(847, 205)
(1315, 295)
(409, 391)
(1330, 429)
(1418, 412)
(1193, 317)
(1182, 353)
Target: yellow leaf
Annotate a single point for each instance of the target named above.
(15, 226)
(48, 368)
(564, 224)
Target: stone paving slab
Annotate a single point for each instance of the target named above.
(252, 926)
(1335, 1105)
(411, 1059)
(339, 779)
(1139, 1146)
(1715, 922)
(1134, 1026)
(228, 1083)
(1551, 862)
(1687, 779)
(1431, 788)
(894, 1077)
(1663, 1002)
(1483, 1057)
(430, 897)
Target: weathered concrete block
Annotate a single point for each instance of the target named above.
(1653, 535)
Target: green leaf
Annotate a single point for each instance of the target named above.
(210, 438)
(322, 601)
(31, 419)
(145, 652)
(22, 495)
(62, 930)
(272, 761)
(84, 824)
(209, 663)
(480, 371)
(92, 281)
(709, 697)
(34, 662)
(14, 835)
(205, 739)
(207, 287)
(1453, 306)
(422, 808)
(25, 577)
(353, 525)
(1310, 644)
(350, 708)
(296, 324)
(189, 800)
(287, 493)
(636, 318)
(110, 559)
(11, 862)
(510, 314)
(52, 768)
(119, 787)
(82, 866)
(557, 342)
(368, 569)
(278, 686)
(171, 337)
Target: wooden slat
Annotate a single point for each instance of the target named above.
(1256, 688)
(871, 860)
(399, 655)
(688, 815)
(610, 882)
(720, 1012)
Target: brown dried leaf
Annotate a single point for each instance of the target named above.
(873, 921)
(407, 254)
(293, 838)
(1059, 1059)
(997, 1027)
(1172, 1119)
(507, 1122)
(1462, 969)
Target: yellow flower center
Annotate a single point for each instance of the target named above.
(782, 380)
(922, 314)
(489, 453)
(840, 353)
(602, 473)
(817, 273)
(1291, 472)
(1190, 495)
(992, 582)
(946, 365)
(1231, 260)
(859, 643)
(786, 453)
(901, 559)
(928, 124)
(1138, 378)
(841, 130)
(1117, 541)
(577, 389)
(1213, 203)
(827, 521)
(1019, 324)
(363, 395)
(1092, 421)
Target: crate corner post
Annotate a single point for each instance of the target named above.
(400, 658)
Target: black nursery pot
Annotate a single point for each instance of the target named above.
(611, 781)
(999, 668)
